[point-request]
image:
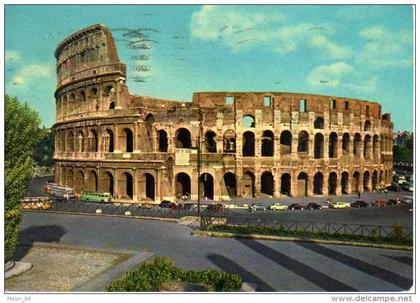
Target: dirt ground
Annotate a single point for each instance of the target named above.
(60, 269)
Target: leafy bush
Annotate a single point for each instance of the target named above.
(150, 276)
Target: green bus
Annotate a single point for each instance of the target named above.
(95, 197)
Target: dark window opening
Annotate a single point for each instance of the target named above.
(248, 148)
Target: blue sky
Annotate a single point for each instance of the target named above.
(352, 51)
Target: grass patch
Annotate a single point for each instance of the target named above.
(398, 237)
(162, 275)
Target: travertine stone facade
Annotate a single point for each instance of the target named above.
(254, 144)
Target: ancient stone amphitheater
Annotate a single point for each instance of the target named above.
(253, 144)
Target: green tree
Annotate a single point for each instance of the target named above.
(21, 134)
(44, 149)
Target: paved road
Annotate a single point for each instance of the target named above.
(274, 266)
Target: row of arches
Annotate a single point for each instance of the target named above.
(85, 100)
(368, 147)
(248, 121)
(105, 182)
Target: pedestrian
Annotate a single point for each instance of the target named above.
(358, 194)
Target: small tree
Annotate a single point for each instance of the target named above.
(21, 135)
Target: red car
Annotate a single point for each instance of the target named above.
(379, 203)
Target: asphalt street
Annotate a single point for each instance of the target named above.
(272, 265)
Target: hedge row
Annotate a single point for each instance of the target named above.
(150, 276)
(398, 236)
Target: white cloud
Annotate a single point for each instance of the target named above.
(329, 75)
(12, 55)
(385, 48)
(333, 50)
(31, 73)
(341, 76)
(236, 27)
(245, 29)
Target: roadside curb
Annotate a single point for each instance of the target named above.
(106, 215)
(295, 239)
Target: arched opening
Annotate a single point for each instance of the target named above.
(332, 145)
(150, 186)
(286, 142)
(207, 186)
(72, 103)
(183, 138)
(248, 147)
(82, 105)
(319, 146)
(345, 183)
(112, 105)
(267, 147)
(319, 123)
(248, 185)
(302, 185)
(381, 178)
(229, 141)
(80, 142)
(345, 146)
(211, 146)
(285, 184)
(70, 142)
(127, 137)
(376, 147)
(356, 182)
(357, 144)
(107, 183)
(332, 183)
(374, 180)
(366, 181)
(163, 141)
(70, 178)
(92, 181)
(109, 141)
(368, 126)
(366, 148)
(230, 183)
(182, 185)
(65, 105)
(127, 186)
(93, 141)
(79, 182)
(267, 183)
(318, 183)
(248, 121)
(303, 142)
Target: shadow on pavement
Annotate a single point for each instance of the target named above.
(43, 233)
(402, 259)
(360, 265)
(306, 272)
(232, 267)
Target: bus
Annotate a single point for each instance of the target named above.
(58, 191)
(95, 197)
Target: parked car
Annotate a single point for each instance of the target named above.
(392, 202)
(359, 203)
(165, 204)
(278, 206)
(408, 199)
(379, 203)
(313, 205)
(215, 207)
(296, 206)
(340, 204)
(146, 205)
(256, 206)
(188, 205)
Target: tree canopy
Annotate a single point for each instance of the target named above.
(21, 134)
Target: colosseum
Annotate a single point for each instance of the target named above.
(238, 144)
